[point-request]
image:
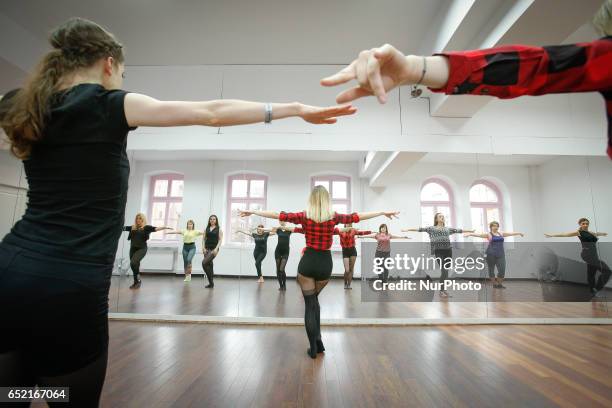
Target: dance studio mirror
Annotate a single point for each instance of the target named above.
(527, 195)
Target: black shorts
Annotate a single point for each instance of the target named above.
(348, 252)
(53, 311)
(281, 253)
(315, 264)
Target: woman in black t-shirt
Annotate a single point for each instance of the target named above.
(138, 237)
(260, 237)
(213, 238)
(69, 124)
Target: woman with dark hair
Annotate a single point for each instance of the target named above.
(349, 251)
(281, 253)
(213, 238)
(69, 124)
(439, 236)
(260, 236)
(189, 248)
(383, 247)
(315, 267)
(589, 254)
(495, 253)
(138, 236)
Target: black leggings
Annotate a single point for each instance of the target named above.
(281, 257)
(136, 255)
(259, 256)
(208, 266)
(443, 256)
(595, 264)
(384, 276)
(500, 262)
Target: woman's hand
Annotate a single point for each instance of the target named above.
(328, 115)
(246, 213)
(391, 214)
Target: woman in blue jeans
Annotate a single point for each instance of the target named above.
(189, 247)
(69, 124)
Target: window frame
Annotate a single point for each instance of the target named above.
(435, 203)
(246, 200)
(168, 199)
(484, 205)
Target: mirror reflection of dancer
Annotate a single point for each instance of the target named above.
(260, 236)
(495, 253)
(189, 248)
(315, 267)
(589, 255)
(383, 247)
(349, 251)
(281, 253)
(138, 236)
(213, 238)
(439, 237)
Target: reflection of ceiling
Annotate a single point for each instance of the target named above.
(247, 155)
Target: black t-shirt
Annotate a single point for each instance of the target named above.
(283, 239)
(261, 241)
(78, 178)
(212, 238)
(139, 237)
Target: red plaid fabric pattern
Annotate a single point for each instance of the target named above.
(319, 235)
(515, 70)
(347, 239)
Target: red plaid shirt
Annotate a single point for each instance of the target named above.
(515, 70)
(347, 239)
(319, 235)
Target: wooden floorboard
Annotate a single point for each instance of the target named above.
(184, 365)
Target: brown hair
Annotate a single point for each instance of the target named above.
(192, 223)
(78, 43)
(580, 221)
(381, 227)
(492, 223)
(435, 224)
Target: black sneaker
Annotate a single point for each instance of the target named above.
(136, 285)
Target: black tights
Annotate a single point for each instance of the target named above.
(281, 262)
(259, 257)
(85, 383)
(312, 312)
(136, 255)
(207, 265)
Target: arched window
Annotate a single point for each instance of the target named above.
(339, 188)
(165, 203)
(485, 204)
(436, 197)
(244, 191)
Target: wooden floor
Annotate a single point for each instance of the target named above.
(204, 365)
(168, 294)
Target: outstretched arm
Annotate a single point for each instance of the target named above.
(174, 233)
(366, 236)
(243, 232)
(266, 214)
(476, 235)
(562, 235)
(142, 110)
(369, 215)
(410, 230)
(162, 228)
(512, 234)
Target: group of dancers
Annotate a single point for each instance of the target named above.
(69, 124)
(439, 236)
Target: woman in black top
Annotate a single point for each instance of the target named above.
(213, 237)
(260, 237)
(589, 255)
(138, 236)
(69, 124)
(281, 253)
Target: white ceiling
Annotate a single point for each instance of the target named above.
(291, 155)
(188, 32)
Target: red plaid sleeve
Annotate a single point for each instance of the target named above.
(294, 218)
(298, 230)
(336, 231)
(346, 218)
(363, 232)
(515, 70)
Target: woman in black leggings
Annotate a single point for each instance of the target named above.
(590, 255)
(69, 124)
(138, 236)
(260, 237)
(315, 268)
(281, 253)
(213, 238)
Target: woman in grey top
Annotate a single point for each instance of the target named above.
(439, 236)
